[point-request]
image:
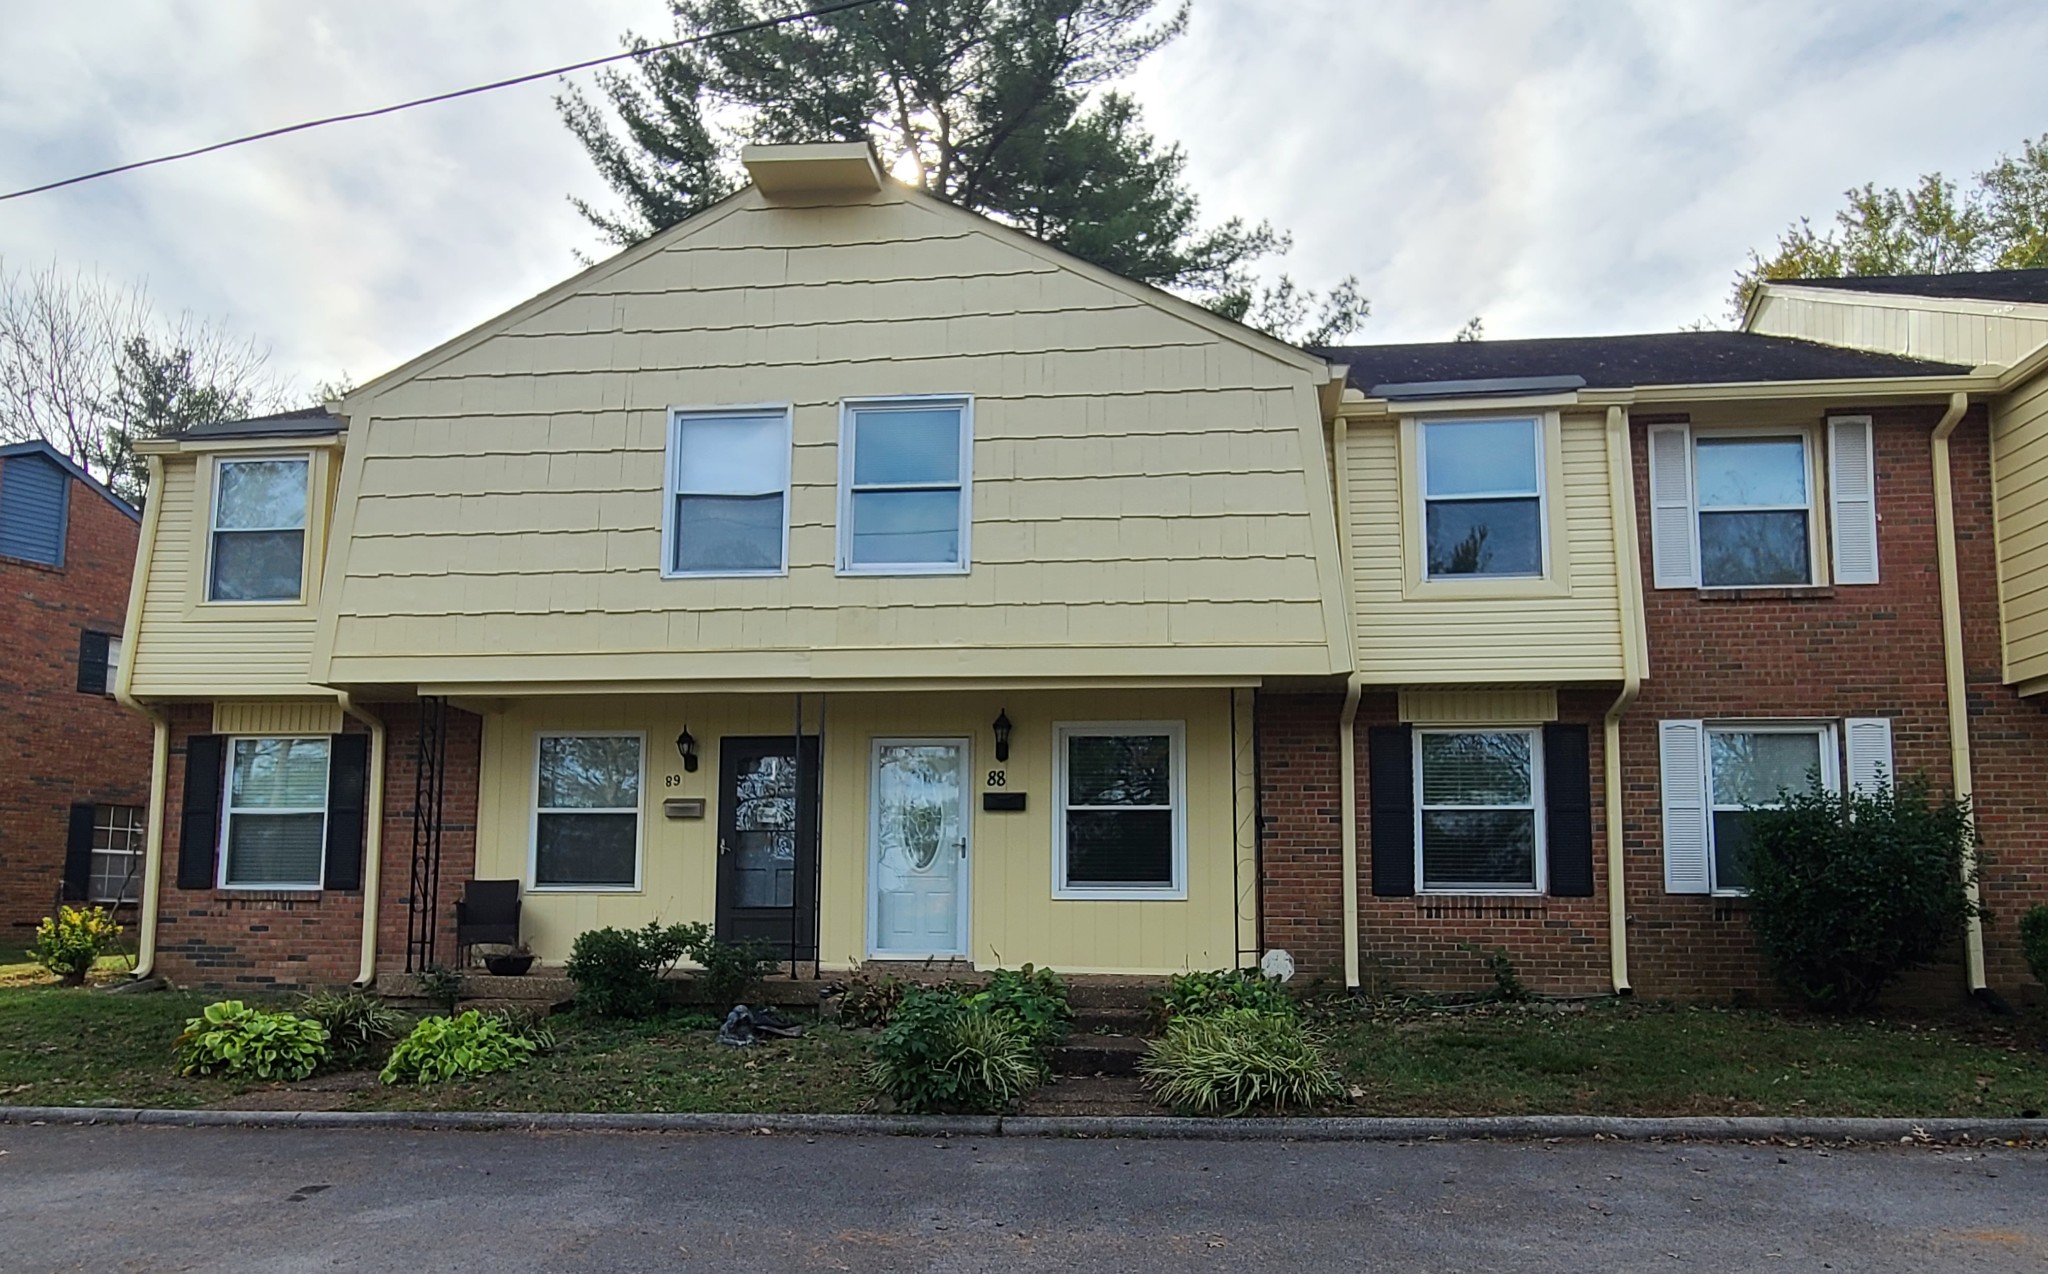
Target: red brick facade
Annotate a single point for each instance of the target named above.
(61, 746)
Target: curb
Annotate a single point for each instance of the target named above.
(1158, 1127)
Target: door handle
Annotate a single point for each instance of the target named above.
(962, 843)
(724, 846)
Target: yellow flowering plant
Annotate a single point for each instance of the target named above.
(69, 942)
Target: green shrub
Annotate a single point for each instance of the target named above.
(356, 1023)
(2034, 941)
(1849, 890)
(440, 985)
(1201, 994)
(619, 972)
(230, 1038)
(941, 1054)
(1235, 1060)
(462, 1047)
(68, 943)
(871, 1001)
(1034, 999)
(731, 971)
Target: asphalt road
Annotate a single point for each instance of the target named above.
(105, 1199)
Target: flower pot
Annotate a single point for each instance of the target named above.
(511, 965)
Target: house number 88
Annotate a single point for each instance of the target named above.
(997, 778)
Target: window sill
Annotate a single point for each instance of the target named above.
(1775, 593)
(1119, 895)
(583, 889)
(232, 893)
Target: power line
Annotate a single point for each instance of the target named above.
(765, 24)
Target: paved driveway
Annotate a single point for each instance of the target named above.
(105, 1199)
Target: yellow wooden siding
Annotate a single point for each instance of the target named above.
(1947, 331)
(2019, 470)
(1147, 492)
(1494, 706)
(1552, 631)
(186, 648)
(1013, 919)
(283, 716)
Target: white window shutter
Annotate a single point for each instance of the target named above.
(1671, 517)
(1852, 485)
(1869, 745)
(1682, 745)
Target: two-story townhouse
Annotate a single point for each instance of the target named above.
(837, 567)
(74, 766)
(1608, 591)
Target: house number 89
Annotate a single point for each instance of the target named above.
(997, 778)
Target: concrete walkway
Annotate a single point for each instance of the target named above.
(226, 1199)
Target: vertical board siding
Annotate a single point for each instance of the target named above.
(1406, 636)
(1922, 327)
(2019, 474)
(1140, 482)
(34, 500)
(277, 717)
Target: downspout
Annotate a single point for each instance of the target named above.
(160, 748)
(1952, 660)
(373, 838)
(1621, 487)
(1347, 738)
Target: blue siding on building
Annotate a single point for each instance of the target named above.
(35, 497)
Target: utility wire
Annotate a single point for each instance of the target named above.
(765, 24)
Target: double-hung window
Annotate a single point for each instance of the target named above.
(586, 827)
(1121, 829)
(904, 482)
(1755, 510)
(1477, 828)
(259, 530)
(1753, 767)
(117, 832)
(276, 814)
(728, 508)
(1482, 494)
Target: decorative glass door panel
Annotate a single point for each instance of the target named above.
(767, 844)
(918, 854)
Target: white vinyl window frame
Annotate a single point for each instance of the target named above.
(228, 810)
(1175, 890)
(1539, 427)
(673, 486)
(535, 810)
(214, 529)
(1816, 533)
(1541, 864)
(1830, 777)
(850, 408)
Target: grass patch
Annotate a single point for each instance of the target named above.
(1625, 1059)
(108, 968)
(88, 1048)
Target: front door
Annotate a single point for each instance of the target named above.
(917, 851)
(768, 844)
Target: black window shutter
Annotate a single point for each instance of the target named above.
(78, 855)
(1568, 809)
(199, 828)
(92, 663)
(1390, 769)
(348, 771)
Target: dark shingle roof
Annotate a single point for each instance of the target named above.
(1622, 362)
(300, 422)
(2025, 286)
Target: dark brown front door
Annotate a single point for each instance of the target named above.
(768, 844)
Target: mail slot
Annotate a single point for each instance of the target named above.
(1002, 802)
(683, 807)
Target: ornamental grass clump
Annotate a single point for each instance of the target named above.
(69, 943)
(1234, 1061)
(461, 1047)
(941, 1053)
(357, 1024)
(230, 1038)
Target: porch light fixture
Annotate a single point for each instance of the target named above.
(1002, 729)
(686, 747)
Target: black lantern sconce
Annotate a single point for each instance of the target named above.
(686, 747)
(1002, 729)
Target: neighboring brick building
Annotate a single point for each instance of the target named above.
(74, 770)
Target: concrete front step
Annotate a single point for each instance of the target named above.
(1091, 1095)
(542, 986)
(1098, 1055)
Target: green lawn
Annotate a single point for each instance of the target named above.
(1616, 1059)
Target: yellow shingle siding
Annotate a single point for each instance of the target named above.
(2019, 471)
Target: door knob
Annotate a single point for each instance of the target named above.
(962, 843)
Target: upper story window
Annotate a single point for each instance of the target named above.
(904, 480)
(728, 508)
(1755, 507)
(259, 530)
(1482, 490)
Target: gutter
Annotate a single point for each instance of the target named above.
(373, 838)
(1953, 664)
(160, 748)
(1621, 485)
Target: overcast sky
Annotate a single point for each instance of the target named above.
(1568, 167)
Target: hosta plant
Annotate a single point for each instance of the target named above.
(1200, 994)
(1238, 1060)
(461, 1047)
(230, 1038)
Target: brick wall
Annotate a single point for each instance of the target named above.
(58, 746)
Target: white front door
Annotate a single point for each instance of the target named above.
(917, 856)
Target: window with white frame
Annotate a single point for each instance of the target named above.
(728, 511)
(1754, 767)
(1755, 508)
(1482, 495)
(1121, 828)
(1477, 824)
(276, 814)
(905, 469)
(586, 828)
(117, 832)
(259, 529)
